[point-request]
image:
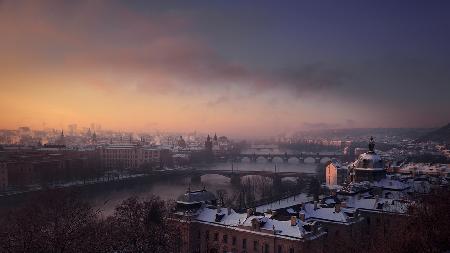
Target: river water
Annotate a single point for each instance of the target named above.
(172, 188)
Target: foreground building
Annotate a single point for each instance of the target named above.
(364, 202)
(209, 228)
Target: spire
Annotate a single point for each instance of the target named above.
(215, 137)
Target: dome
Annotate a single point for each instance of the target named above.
(369, 160)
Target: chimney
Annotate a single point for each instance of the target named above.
(274, 213)
(376, 200)
(219, 209)
(343, 204)
(293, 221)
(228, 210)
(337, 207)
(302, 216)
(315, 205)
(302, 206)
(249, 212)
(255, 224)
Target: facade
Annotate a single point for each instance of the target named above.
(335, 173)
(210, 228)
(128, 156)
(48, 165)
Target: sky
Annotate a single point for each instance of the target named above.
(240, 68)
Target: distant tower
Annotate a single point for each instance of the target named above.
(61, 140)
(208, 144)
(215, 137)
(181, 142)
(94, 138)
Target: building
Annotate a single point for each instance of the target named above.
(335, 173)
(209, 228)
(208, 144)
(123, 156)
(368, 167)
(49, 165)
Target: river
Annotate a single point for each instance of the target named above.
(105, 200)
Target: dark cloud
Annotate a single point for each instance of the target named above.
(154, 50)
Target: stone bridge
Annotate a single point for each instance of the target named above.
(317, 157)
(195, 174)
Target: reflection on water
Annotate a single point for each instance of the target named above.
(171, 188)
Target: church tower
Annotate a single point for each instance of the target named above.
(208, 144)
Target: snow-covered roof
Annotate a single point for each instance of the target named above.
(228, 219)
(369, 161)
(197, 196)
(283, 203)
(324, 213)
(378, 204)
(241, 221)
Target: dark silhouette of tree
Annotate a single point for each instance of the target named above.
(141, 227)
(53, 222)
(314, 187)
(59, 221)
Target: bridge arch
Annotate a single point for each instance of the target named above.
(277, 159)
(310, 159)
(261, 158)
(325, 159)
(294, 159)
(246, 159)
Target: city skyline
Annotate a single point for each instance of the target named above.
(247, 68)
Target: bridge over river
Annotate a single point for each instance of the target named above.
(233, 174)
(285, 157)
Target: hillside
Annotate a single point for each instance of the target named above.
(439, 135)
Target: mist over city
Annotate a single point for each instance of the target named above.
(224, 126)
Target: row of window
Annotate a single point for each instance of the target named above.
(266, 247)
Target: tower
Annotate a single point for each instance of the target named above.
(94, 138)
(208, 144)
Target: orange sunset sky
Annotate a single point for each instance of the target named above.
(254, 70)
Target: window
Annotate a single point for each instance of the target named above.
(266, 248)
(280, 250)
(207, 235)
(291, 250)
(225, 238)
(244, 243)
(255, 245)
(233, 240)
(216, 236)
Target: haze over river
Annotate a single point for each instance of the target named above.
(169, 188)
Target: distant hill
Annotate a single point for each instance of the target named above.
(439, 135)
